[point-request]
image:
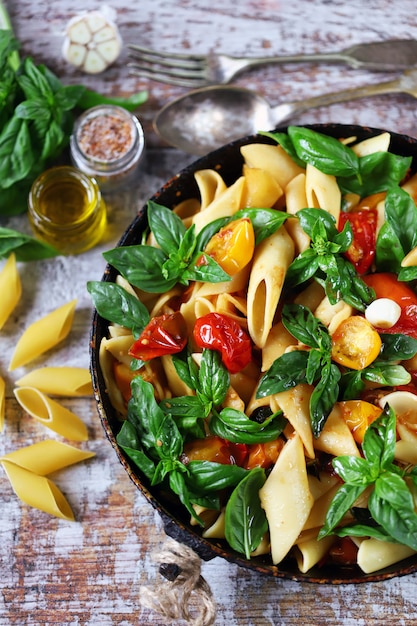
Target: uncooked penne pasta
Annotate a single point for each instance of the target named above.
(47, 456)
(51, 414)
(38, 491)
(43, 335)
(59, 381)
(10, 289)
(2, 402)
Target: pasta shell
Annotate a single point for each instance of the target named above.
(59, 381)
(43, 334)
(51, 414)
(10, 289)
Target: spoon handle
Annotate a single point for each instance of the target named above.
(407, 83)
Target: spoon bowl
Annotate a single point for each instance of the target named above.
(205, 119)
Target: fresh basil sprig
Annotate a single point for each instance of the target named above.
(390, 503)
(363, 175)
(324, 260)
(176, 260)
(312, 366)
(398, 234)
(25, 248)
(237, 427)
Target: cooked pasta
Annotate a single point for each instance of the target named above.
(255, 373)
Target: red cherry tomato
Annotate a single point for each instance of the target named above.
(386, 285)
(165, 334)
(361, 252)
(222, 333)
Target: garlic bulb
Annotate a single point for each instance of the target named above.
(92, 41)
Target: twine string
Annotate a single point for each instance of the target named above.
(183, 593)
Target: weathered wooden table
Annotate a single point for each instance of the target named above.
(90, 571)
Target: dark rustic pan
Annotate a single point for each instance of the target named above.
(228, 162)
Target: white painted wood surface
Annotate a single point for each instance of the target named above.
(89, 572)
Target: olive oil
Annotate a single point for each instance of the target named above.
(66, 209)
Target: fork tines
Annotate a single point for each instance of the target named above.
(186, 70)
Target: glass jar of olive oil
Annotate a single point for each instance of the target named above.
(66, 209)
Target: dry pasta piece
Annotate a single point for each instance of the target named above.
(28, 467)
(59, 381)
(43, 334)
(287, 483)
(38, 491)
(46, 457)
(2, 402)
(51, 414)
(10, 289)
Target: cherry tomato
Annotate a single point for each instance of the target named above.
(233, 246)
(355, 343)
(344, 551)
(165, 334)
(358, 414)
(224, 334)
(263, 454)
(216, 450)
(387, 285)
(361, 252)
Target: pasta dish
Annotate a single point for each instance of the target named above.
(262, 351)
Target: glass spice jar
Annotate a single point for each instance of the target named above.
(66, 209)
(107, 142)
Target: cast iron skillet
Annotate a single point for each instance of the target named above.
(228, 162)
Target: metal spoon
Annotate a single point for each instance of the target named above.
(205, 119)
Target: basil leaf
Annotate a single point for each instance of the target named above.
(141, 266)
(177, 482)
(397, 347)
(184, 406)
(354, 470)
(343, 500)
(209, 230)
(24, 247)
(386, 374)
(408, 274)
(90, 98)
(327, 154)
(378, 171)
(187, 370)
(324, 396)
(286, 372)
(214, 378)
(207, 271)
(388, 250)
(117, 305)
(206, 476)
(379, 439)
(302, 268)
(245, 520)
(318, 223)
(362, 530)
(301, 323)
(222, 425)
(265, 222)
(401, 213)
(394, 513)
(167, 228)
(128, 440)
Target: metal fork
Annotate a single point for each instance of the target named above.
(193, 70)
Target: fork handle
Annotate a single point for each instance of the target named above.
(390, 55)
(282, 112)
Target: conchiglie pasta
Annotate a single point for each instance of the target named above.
(43, 335)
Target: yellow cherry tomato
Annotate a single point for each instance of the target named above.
(233, 246)
(358, 414)
(355, 343)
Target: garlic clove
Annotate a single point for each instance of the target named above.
(92, 41)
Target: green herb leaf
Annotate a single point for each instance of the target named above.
(167, 228)
(26, 248)
(141, 266)
(206, 476)
(378, 171)
(129, 441)
(286, 372)
(246, 521)
(265, 222)
(342, 501)
(90, 98)
(391, 505)
(235, 426)
(301, 323)
(117, 305)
